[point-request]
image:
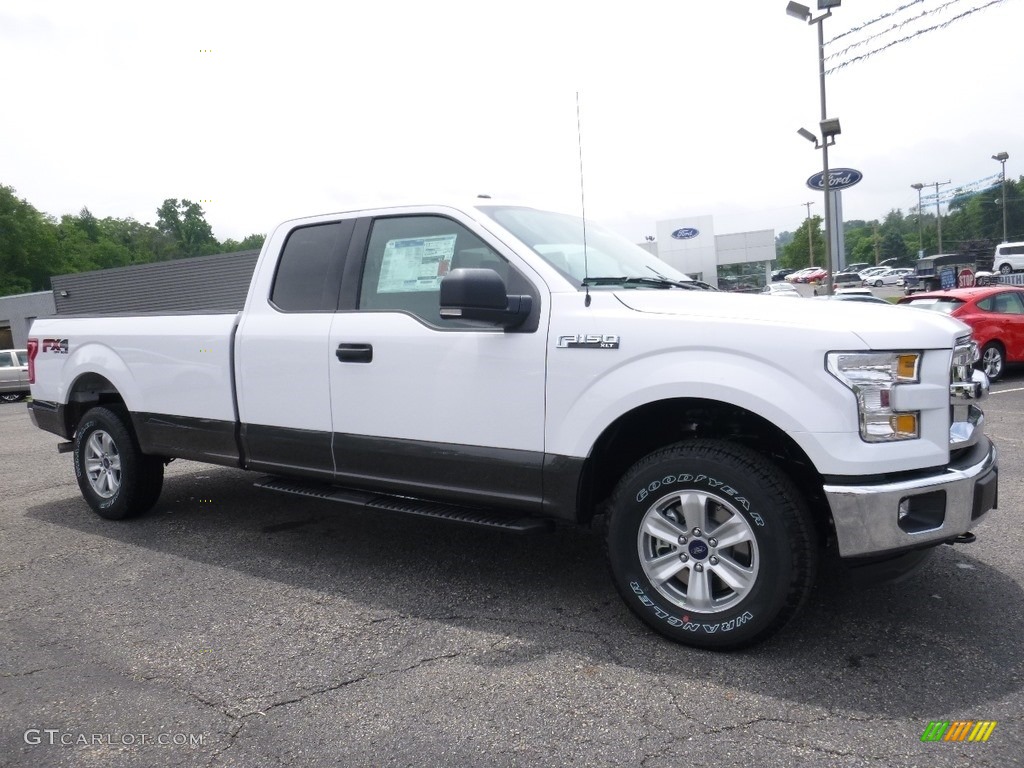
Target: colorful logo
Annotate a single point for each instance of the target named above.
(958, 730)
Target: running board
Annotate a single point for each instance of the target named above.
(481, 518)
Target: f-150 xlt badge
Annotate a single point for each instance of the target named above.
(588, 341)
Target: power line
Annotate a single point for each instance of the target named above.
(873, 21)
(911, 37)
(897, 25)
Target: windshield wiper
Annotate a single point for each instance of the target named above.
(653, 282)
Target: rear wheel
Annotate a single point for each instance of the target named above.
(1005, 269)
(710, 544)
(993, 360)
(115, 477)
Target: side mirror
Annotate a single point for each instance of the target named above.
(480, 294)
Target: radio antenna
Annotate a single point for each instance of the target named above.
(583, 205)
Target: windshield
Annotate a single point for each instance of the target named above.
(558, 239)
(943, 305)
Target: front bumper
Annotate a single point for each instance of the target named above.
(872, 519)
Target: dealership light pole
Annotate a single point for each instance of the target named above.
(920, 226)
(1002, 157)
(829, 128)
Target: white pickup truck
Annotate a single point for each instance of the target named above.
(510, 367)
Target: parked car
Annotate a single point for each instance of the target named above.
(781, 289)
(1009, 257)
(793, 277)
(13, 374)
(891, 276)
(459, 363)
(995, 314)
(846, 278)
(812, 275)
(851, 296)
(866, 273)
(781, 274)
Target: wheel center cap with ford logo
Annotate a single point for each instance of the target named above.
(698, 550)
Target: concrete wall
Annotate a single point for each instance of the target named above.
(18, 312)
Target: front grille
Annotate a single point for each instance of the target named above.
(965, 418)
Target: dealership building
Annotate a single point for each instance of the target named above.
(691, 245)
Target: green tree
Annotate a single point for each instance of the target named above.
(251, 243)
(185, 223)
(797, 254)
(27, 245)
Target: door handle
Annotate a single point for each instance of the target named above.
(355, 353)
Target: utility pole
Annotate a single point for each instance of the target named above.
(810, 238)
(938, 213)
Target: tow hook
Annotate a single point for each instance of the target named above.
(963, 538)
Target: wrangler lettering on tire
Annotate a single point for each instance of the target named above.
(710, 544)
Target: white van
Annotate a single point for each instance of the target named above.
(1009, 258)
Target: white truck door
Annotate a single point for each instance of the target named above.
(282, 365)
(425, 406)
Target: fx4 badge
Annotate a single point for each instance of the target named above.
(588, 341)
(57, 346)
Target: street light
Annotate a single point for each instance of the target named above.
(1002, 157)
(829, 128)
(920, 226)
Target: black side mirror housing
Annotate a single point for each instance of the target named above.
(480, 294)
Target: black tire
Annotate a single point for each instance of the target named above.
(992, 360)
(878, 283)
(115, 477)
(772, 557)
(11, 397)
(1005, 269)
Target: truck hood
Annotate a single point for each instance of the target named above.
(879, 327)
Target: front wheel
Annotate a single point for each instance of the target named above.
(115, 477)
(878, 283)
(992, 360)
(1005, 269)
(710, 544)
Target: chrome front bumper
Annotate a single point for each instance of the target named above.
(872, 519)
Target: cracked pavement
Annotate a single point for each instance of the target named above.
(273, 631)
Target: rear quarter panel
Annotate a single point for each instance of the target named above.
(167, 364)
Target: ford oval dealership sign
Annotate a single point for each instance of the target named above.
(838, 178)
(686, 233)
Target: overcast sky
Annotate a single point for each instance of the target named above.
(267, 111)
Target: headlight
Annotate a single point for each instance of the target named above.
(872, 376)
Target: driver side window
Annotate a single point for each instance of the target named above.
(407, 258)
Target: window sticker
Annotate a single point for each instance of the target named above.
(415, 263)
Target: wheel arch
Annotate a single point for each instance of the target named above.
(89, 390)
(655, 425)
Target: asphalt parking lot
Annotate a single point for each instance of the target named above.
(235, 627)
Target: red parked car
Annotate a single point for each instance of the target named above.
(995, 314)
(815, 276)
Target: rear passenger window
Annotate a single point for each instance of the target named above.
(309, 272)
